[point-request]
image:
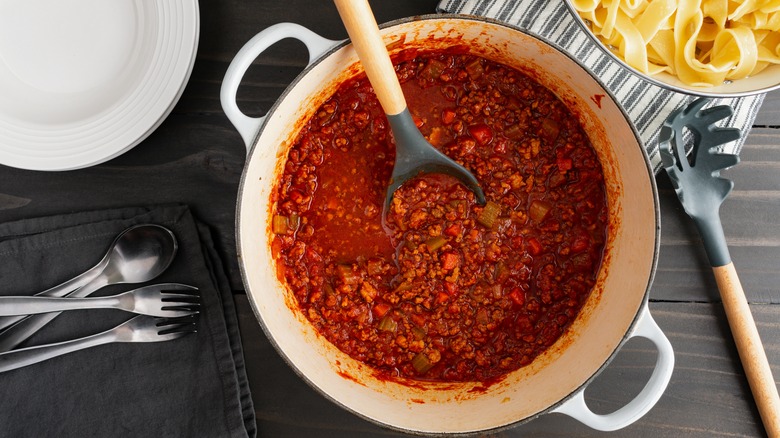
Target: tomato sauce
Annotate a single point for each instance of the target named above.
(446, 290)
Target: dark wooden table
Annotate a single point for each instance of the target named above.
(196, 157)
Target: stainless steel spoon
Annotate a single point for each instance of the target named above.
(138, 254)
(413, 154)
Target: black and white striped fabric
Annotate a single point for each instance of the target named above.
(646, 104)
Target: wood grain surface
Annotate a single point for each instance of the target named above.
(196, 157)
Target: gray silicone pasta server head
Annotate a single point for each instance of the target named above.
(696, 178)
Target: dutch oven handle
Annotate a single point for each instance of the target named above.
(247, 126)
(576, 407)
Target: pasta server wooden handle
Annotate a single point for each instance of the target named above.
(750, 348)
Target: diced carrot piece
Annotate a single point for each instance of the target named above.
(517, 296)
(580, 244)
(296, 196)
(453, 230)
(418, 320)
(449, 261)
(534, 247)
(442, 297)
(452, 288)
(564, 164)
(380, 309)
(368, 292)
(447, 116)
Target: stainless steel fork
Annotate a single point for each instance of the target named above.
(139, 329)
(164, 300)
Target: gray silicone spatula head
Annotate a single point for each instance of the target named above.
(415, 156)
(696, 178)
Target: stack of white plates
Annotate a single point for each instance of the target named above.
(82, 81)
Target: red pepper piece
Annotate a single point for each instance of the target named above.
(481, 133)
(517, 296)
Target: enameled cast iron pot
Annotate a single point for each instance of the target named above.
(555, 382)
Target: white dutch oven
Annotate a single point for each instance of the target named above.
(556, 380)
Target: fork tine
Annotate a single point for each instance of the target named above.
(182, 328)
(176, 303)
(192, 309)
(174, 298)
(176, 325)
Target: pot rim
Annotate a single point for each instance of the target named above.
(648, 167)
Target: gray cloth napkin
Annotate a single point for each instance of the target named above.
(195, 386)
(646, 104)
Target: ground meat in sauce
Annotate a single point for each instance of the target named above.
(450, 290)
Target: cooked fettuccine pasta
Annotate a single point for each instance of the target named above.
(702, 42)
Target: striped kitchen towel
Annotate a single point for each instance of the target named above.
(646, 104)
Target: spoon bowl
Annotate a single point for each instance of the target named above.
(139, 254)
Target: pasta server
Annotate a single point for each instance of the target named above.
(414, 155)
(701, 190)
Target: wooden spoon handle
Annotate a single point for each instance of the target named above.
(751, 350)
(364, 33)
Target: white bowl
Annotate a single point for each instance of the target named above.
(765, 81)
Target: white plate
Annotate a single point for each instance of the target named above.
(82, 81)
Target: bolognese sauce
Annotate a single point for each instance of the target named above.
(444, 289)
